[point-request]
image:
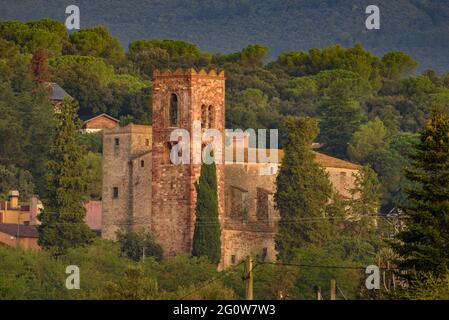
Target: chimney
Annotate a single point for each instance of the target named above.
(13, 198)
(33, 210)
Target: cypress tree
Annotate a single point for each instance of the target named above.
(62, 220)
(424, 244)
(206, 237)
(303, 190)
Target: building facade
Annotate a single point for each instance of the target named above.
(99, 123)
(143, 189)
(12, 211)
(18, 235)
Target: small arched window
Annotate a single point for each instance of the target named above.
(210, 116)
(174, 110)
(203, 116)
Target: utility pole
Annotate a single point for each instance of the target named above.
(249, 278)
(333, 291)
(318, 293)
(18, 230)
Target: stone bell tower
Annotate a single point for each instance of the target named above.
(179, 99)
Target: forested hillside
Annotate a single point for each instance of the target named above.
(369, 107)
(418, 27)
(360, 106)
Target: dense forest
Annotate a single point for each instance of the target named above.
(369, 108)
(361, 107)
(417, 27)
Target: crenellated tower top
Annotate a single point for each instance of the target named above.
(190, 72)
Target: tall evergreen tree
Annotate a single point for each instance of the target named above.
(340, 117)
(206, 237)
(303, 190)
(364, 203)
(62, 221)
(424, 244)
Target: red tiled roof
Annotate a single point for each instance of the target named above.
(323, 159)
(21, 230)
(328, 161)
(102, 115)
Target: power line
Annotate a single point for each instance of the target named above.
(323, 266)
(224, 273)
(314, 266)
(338, 288)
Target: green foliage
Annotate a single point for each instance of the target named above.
(215, 291)
(99, 89)
(27, 275)
(252, 109)
(343, 83)
(206, 237)
(145, 56)
(275, 282)
(97, 42)
(138, 245)
(388, 114)
(125, 120)
(388, 162)
(104, 274)
(92, 163)
(364, 204)
(425, 287)
(302, 190)
(47, 34)
(397, 65)
(62, 221)
(422, 246)
(135, 285)
(339, 86)
(330, 255)
(92, 142)
(183, 271)
(172, 47)
(340, 118)
(251, 56)
(26, 121)
(367, 140)
(13, 178)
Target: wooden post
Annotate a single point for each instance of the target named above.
(249, 278)
(318, 293)
(333, 291)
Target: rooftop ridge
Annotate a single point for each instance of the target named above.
(213, 73)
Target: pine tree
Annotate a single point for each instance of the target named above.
(364, 203)
(303, 190)
(62, 220)
(424, 245)
(340, 117)
(206, 237)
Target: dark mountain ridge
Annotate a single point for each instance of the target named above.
(418, 27)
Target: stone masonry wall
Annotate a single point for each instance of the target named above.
(240, 243)
(253, 234)
(159, 196)
(118, 172)
(174, 195)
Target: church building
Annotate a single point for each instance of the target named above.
(143, 189)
